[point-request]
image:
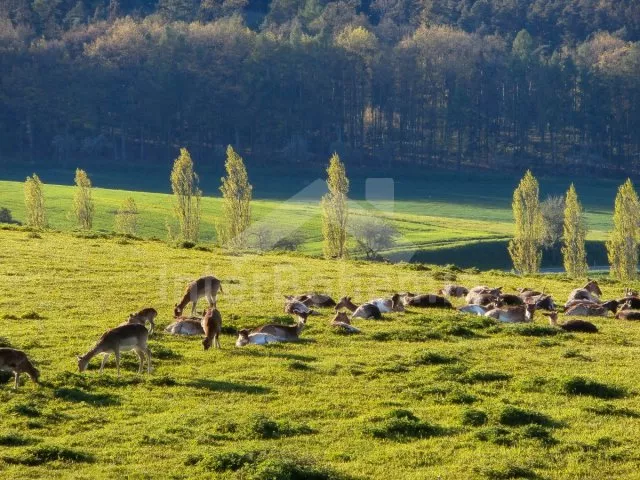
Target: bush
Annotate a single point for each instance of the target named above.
(585, 386)
(514, 416)
(474, 418)
(5, 216)
(401, 425)
(432, 358)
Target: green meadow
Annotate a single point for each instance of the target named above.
(446, 217)
(421, 394)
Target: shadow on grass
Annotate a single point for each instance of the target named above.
(50, 453)
(76, 395)
(220, 386)
(254, 352)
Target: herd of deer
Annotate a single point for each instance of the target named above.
(481, 300)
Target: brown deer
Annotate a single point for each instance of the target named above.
(627, 313)
(143, 316)
(186, 326)
(212, 326)
(572, 325)
(591, 291)
(245, 337)
(475, 309)
(296, 307)
(207, 287)
(589, 309)
(519, 314)
(366, 310)
(425, 301)
(342, 321)
(315, 300)
(453, 291)
(17, 362)
(286, 333)
(130, 336)
(389, 305)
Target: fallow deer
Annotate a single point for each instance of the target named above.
(366, 310)
(315, 300)
(186, 326)
(205, 287)
(342, 322)
(572, 325)
(475, 309)
(17, 362)
(519, 314)
(130, 336)
(388, 305)
(426, 301)
(143, 316)
(296, 307)
(245, 337)
(212, 326)
(591, 291)
(286, 333)
(453, 291)
(589, 309)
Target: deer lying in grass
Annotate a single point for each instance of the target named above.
(389, 305)
(143, 316)
(205, 287)
(425, 301)
(453, 291)
(296, 307)
(314, 300)
(17, 362)
(130, 336)
(342, 322)
(245, 337)
(627, 312)
(286, 333)
(212, 326)
(366, 310)
(519, 314)
(186, 326)
(572, 325)
(475, 309)
(591, 292)
(588, 309)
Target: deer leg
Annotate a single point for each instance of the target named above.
(216, 340)
(117, 354)
(148, 352)
(105, 357)
(193, 308)
(16, 375)
(141, 357)
(153, 327)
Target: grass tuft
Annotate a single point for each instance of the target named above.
(75, 395)
(50, 453)
(514, 416)
(401, 425)
(474, 418)
(592, 388)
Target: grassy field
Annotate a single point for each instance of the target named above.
(445, 215)
(424, 394)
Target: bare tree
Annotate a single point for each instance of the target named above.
(373, 235)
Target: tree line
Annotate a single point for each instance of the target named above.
(532, 229)
(466, 84)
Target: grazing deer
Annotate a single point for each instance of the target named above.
(453, 291)
(207, 287)
(212, 326)
(130, 336)
(388, 305)
(342, 321)
(366, 310)
(314, 300)
(286, 333)
(17, 362)
(245, 337)
(572, 325)
(519, 314)
(143, 316)
(591, 291)
(186, 326)
(426, 301)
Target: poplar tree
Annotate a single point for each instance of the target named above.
(574, 254)
(525, 247)
(82, 200)
(236, 207)
(187, 195)
(34, 203)
(126, 221)
(622, 245)
(335, 211)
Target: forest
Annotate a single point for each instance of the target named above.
(488, 84)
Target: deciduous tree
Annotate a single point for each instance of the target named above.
(335, 211)
(574, 233)
(525, 247)
(622, 245)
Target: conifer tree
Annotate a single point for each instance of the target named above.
(236, 209)
(335, 211)
(184, 183)
(525, 247)
(82, 201)
(34, 202)
(574, 234)
(622, 245)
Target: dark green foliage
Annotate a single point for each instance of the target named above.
(497, 435)
(76, 395)
(5, 216)
(225, 461)
(514, 416)
(592, 388)
(14, 440)
(480, 376)
(432, 358)
(609, 410)
(262, 427)
(531, 330)
(4, 343)
(402, 425)
(50, 453)
(540, 433)
(24, 409)
(510, 471)
(474, 418)
(32, 316)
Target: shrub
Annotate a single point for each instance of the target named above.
(5, 216)
(432, 358)
(514, 416)
(474, 418)
(226, 461)
(401, 425)
(592, 388)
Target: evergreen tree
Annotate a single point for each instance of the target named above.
(622, 245)
(525, 247)
(236, 209)
(184, 183)
(335, 211)
(34, 202)
(82, 201)
(574, 233)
